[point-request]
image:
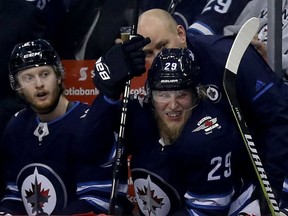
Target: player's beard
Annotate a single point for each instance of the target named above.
(48, 106)
(171, 131)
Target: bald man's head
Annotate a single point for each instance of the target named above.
(163, 31)
(159, 18)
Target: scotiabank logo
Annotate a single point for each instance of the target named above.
(84, 73)
(81, 91)
(79, 79)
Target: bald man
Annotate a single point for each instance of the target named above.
(257, 86)
(160, 26)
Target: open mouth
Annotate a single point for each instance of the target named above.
(41, 95)
(174, 115)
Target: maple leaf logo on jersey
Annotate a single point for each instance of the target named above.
(154, 195)
(150, 202)
(37, 197)
(42, 190)
(207, 124)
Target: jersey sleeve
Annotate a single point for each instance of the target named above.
(215, 16)
(224, 204)
(264, 99)
(95, 152)
(11, 202)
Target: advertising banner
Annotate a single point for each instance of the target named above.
(79, 81)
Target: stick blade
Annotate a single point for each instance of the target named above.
(243, 38)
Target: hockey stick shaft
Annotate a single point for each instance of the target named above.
(172, 6)
(120, 145)
(241, 43)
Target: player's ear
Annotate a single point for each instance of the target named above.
(181, 33)
(59, 80)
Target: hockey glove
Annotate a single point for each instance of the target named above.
(121, 63)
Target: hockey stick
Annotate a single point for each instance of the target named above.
(120, 145)
(172, 6)
(241, 43)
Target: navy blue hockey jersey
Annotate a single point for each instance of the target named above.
(49, 168)
(199, 172)
(215, 16)
(262, 95)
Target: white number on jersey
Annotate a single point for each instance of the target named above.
(217, 162)
(220, 6)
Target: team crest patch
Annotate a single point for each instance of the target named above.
(41, 189)
(207, 124)
(213, 93)
(154, 195)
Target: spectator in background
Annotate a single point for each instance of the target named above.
(19, 22)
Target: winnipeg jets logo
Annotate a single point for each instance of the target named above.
(151, 199)
(36, 194)
(41, 131)
(207, 124)
(213, 93)
(42, 190)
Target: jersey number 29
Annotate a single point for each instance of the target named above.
(217, 162)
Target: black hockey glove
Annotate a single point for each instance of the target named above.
(121, 63)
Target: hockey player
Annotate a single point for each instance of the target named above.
(186, 151)
(262, 95)
(43, 162)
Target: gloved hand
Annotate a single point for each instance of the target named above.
(121, 63)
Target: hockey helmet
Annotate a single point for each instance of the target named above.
(33, 54)
(173, 69)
